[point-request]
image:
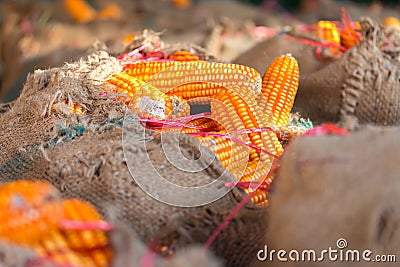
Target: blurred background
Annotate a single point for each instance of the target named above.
(43, 33)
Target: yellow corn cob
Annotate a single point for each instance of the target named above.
(195, 90)
(279, 88)
(240, 111)
(233, 156)
(91, 243)
(76, 247)
(125, 84)
(144, 70)
(328, 31)
(78, 210)
(224, 75)
(150, 102)
(144, 98)
(260, 198)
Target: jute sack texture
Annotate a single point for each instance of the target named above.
(338, 187)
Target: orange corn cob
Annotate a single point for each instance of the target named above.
(144, 98)
(391, 22)
(225, 75)
(260, 198)
(233, 156)
(197, 90)
(20, 199)
(348, 35)
(144, 70)
(328, 31)
(79, 10)
(32, 215)
(279, 88)
(238, 103)
(202, 124)
(236, 114)
(76, 247)
(183, 56)
(125, 84)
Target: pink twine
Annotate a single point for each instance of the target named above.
(148, 259)
(237, 140)
(228, 218)
(263, 32)
(82, 225)
(326, 128)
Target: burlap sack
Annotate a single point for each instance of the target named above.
(262, 55)
(131, 252)
(83, 156)
(359, 87)
(333, 187)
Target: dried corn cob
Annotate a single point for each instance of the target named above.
(125, 84)
(225, 75)
(279, 87)
(20, 199)
(144, 98)
(260, 198)
(196, 90)
(80, 10)
(239, 108)
(201, 125)
(349, 36)
(183, 56)
(233, 156)
(33, 216)
(144, 70)
(328, 31)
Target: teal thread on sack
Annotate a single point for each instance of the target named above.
(22, 162)
(17, 166)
